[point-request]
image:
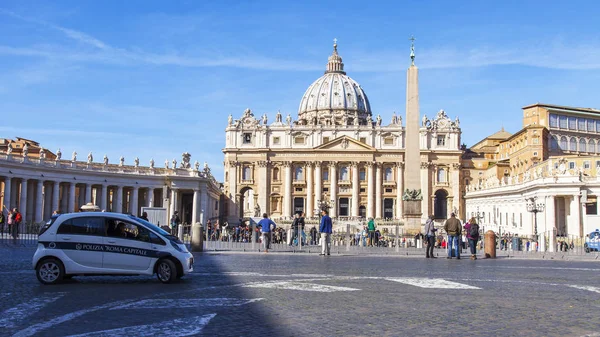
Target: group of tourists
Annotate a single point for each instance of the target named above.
(10, 221)
(454, 229)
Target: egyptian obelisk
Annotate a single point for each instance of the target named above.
(412, 197)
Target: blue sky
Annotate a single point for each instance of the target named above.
(158, 78)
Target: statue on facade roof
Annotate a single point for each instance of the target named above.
(42, 153)
(166, 163)
(248, 113)
(136, 162)
(457, 122)
(399, 120)
(278, 117)
(196, 165)
(121, 161)
(344, 120)
(25, 150)
(378, 123)
(151, 163)
(105, 159)
(288, 119)
(394, 119)
(58, 154)
(185, 160)
(9, 149)
(174, 163)
(74, 158)
(90, 158)
(265, 119)
(230, 120)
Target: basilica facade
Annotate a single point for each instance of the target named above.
(337, 152)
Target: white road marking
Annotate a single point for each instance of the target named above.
(241, 273)
(551, 268)
(588, 288)
(186, 303)
(176, 327)
(299, 286)
(34, 329)
(311, 275)
(431, 283)
(10, 317)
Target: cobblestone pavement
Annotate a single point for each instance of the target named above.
(279, 294)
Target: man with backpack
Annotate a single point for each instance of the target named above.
(454, 229)
(472, 229)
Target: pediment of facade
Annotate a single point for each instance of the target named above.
(345, 143)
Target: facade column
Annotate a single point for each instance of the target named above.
(264, 184)
(7, 193)
(88, 193)
(550, 215)
(118, 205)
(195, 206)
(56, 196)
(104, 197)
(378, 185)
(174, 201)
(333, 189)
(399, 189)
(370, 190)
(39, 211)
(71, 204)
(203, 205)
(425, 190)
(318, 185)
(287, 196)
(133, 203)
(31, 201)
(23, 201)
(456, 189)
(309, 190)
(355, 189)
(233, 178)
(574, 226)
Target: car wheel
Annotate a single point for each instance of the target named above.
(166, 271)
(50, 271)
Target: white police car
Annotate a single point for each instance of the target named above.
(592, 241)
(107, 244)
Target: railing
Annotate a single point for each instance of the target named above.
(22, 235)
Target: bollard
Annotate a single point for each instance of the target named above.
(197, 238)
(253, 236)
(348, 237)
(419, 244)
(180, 232)
(397, 238)
(490, 244)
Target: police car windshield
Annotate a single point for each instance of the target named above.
(151, 226)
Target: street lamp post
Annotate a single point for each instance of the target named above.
(535, 208)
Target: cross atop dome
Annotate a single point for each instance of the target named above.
(334, 64)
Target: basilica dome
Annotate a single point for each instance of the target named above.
(334, 98)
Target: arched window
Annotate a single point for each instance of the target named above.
(563, 143)
(582, 145)
(388, 174)
(553, 143)
(298, 174)
(276, 174)
(593, 147)
(572, 144)
(441, 175)
(246, 173)
(344, 173)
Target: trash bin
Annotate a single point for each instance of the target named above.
(517, 244)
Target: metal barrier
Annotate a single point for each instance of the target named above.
(23, 235)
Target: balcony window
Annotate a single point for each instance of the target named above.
(571, 165)
(582, 145)
(572, 123)
(247, 138)
(581, 124)
(441, 175)
(298, 174)
(344, 173)
(299, 140)
(553, 121)
(441, 140)
(573, 144)
(591, 125)
(388, 175)
(563, 143)
(246, 173)
(325, 176)
(586, 164)
(562, 122)
(362, 175)
(276, 174)
(276, 140)
(388, 141)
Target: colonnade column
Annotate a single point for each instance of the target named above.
(370, 190)
(333, 188)
(203, 204)
(263, 186)
(378, 184)
(133, 204)
(355, 189)
(287, 196)
(456, 188)
(23, 201)
(173, 203)
(233, 167)
(399, 189)
(318, 186)
(38, 201)
(7, 193)
(151, 197)
(88, 193)
(104, 197)
(574, 227)
(55, 196)
(195, 206)
(119, 204)
(71, 205)
(550, 215)
(309, 189)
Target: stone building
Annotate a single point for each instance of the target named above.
(554, 159)
(337, 151)
(37, 184)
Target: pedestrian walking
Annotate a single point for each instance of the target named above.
(453, 228)
(294, 229)
(266, 226)
(430, 235)
(371, 227)
(175, 221)
(325, 228)
(472, 230)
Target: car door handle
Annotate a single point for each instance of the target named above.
(66, 238)
(111, 241)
